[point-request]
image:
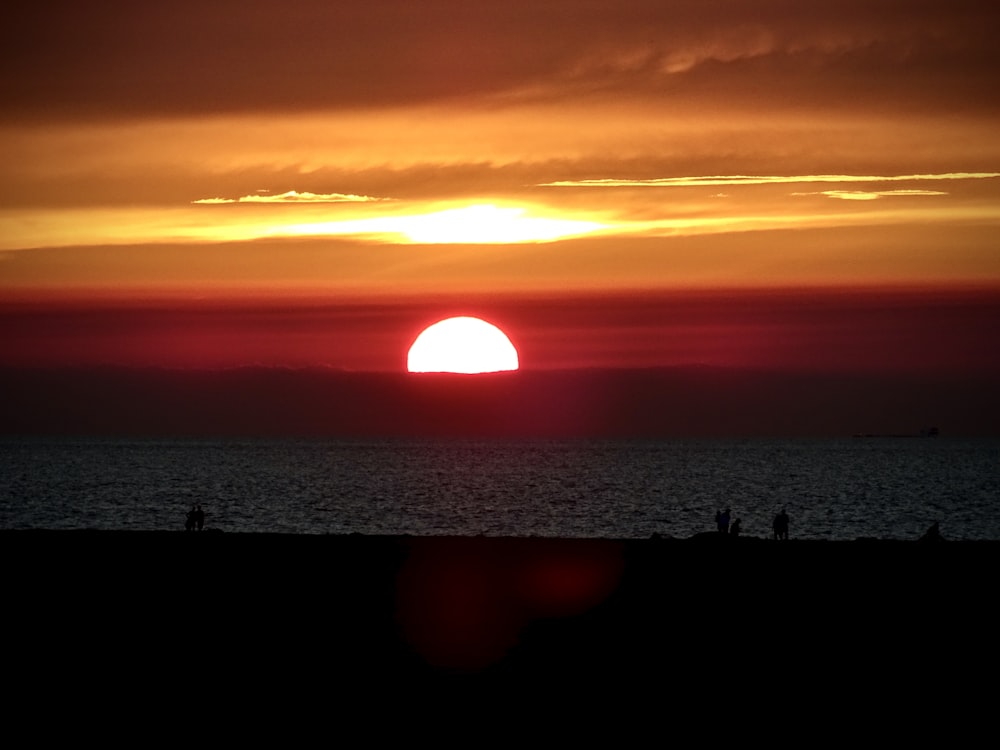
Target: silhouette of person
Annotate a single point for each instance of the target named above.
(190, 521)
(780, 525)
(933, 534)
(199, 517)
(734, 530)
(722, 521)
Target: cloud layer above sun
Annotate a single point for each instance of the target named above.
(443, 147)
(64, 61)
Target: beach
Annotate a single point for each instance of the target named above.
(476, 611)
(445, 638)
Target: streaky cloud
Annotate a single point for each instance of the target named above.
(293, 196)
(717, 180)
(870, 195)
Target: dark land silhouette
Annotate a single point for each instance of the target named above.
(456, 637)
(496, 610)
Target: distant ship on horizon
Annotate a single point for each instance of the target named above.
(932, 432)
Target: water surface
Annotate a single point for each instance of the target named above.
(889, 488)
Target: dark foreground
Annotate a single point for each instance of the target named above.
(827, 627)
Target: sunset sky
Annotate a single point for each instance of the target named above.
(620, 184)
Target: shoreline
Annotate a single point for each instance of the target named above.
(702, 539)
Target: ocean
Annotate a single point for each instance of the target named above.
(843, 489)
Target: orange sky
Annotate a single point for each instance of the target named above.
(298, 183)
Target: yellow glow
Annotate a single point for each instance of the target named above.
(477, 224)
(480, 224)
(463, 345)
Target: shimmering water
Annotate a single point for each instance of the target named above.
(833, 489)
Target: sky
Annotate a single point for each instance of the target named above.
(632, 184)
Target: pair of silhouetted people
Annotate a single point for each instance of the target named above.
(780, 525)
(195, 519)
(722, 521)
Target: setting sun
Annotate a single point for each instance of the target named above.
(462, 345)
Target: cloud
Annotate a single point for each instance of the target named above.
(292, 196)
(870, 195)
(716, 180)
(72, 60)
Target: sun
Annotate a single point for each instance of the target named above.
(463, 344)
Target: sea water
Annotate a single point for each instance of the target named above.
(887, 488)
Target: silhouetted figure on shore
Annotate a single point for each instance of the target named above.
(933, 534)
(191, 521)
(722, 521)
(734, 530)
(199, 517)
(780, 525)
